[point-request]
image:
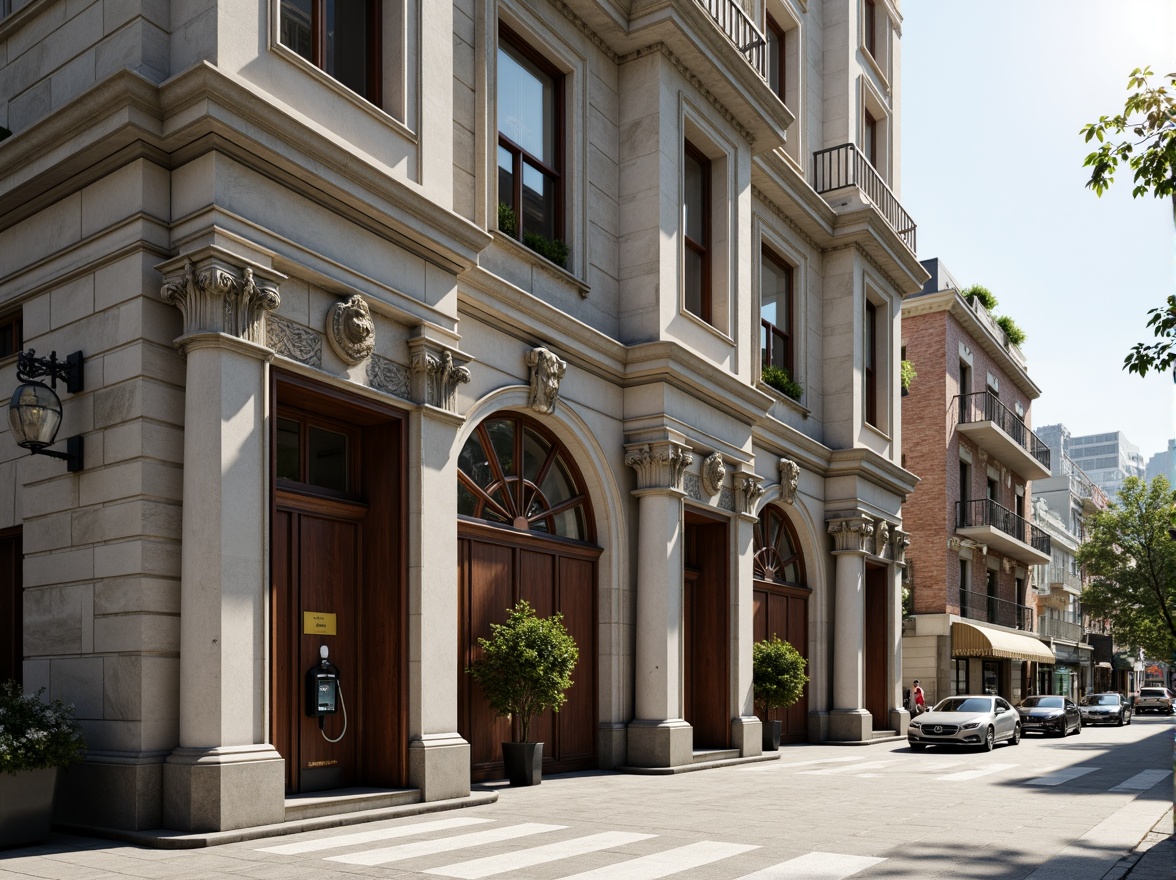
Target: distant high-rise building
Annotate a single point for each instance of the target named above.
(1108, 459)
(1163, 463)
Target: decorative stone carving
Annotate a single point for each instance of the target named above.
(748, 490)
(547, 370)
(713, 471)
(727, 499)
(852, 535)
(659, 465)
(692, 486)
(789, 480)
(437, 378)
(389, 377)
(217, 297)
(294, 341)
(881, 537)
(351, 331)
(899, 541)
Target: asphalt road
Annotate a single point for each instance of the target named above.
(1048, 808)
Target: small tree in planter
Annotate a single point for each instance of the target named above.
(525, 668)
(778, 680)
(36, 740)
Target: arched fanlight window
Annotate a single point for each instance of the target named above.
(776, 556)
(512, 473)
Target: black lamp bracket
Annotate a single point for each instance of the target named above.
(29, 368)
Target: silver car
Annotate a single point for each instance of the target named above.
(970, 720)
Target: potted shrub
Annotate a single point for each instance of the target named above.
(778, 378)
(37, 739)
(524, 669)
(778, 680)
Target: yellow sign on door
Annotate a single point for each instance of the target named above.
(318, 623)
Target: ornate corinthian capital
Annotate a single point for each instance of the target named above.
(436, 377)
(852, 534)
(899, 541)
(547, 370)
(216, 296)
(659, 465)
(748, 490)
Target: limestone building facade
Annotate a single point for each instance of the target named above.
(392, 320)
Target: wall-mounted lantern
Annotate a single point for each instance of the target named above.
(35, 410)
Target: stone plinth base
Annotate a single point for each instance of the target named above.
(110, 791)
(850, 725)
(224, 788)
(659, 743)
(747, 736)
(611, 745)
(900, 720)
(439, 765)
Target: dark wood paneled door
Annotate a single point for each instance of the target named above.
(11, 606)
(876, 653)
(497, 568)
(706, 634)
(782, 611)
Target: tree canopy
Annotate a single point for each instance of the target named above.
(1133, 564)
(1149, 150)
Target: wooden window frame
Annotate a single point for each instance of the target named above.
(702, 248)
(11, 334)
(518, 155)
(774, 331)
(307, 419)
(870, 358)
(870, 138)
(870, 27)
(318, 38)
(773, 29)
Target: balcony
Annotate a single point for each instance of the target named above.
(1003, 434)
(1050, 627)
(1002, 530)
(1061, 578)
(990, 609)
(842, 166)
(741, 31)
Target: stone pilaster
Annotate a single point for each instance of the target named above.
(852, 541)
(658, 736)
(224, 774)
(899, 716)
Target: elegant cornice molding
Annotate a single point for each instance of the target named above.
(658, 465)
(778, 212)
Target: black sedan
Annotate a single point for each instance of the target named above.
(1048, 714)
(1106, 709)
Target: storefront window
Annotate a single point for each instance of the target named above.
(991, 677)
(959, 676)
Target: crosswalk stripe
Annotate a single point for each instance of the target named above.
(539, 855)
(445, 844)
(1061, 776)
(788, 765)
(1142, 781)
(815, 866)
(854, 768)
(306, 846)
(965, 775)
(663, 864)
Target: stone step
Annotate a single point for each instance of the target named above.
(347, 800)
(885, 734)
(706, 756)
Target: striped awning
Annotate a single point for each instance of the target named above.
(977, 640)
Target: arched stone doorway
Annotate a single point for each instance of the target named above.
(525, 531)
(780, 601)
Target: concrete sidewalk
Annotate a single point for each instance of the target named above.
(1153, 859)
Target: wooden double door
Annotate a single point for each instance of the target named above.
(781, 610)
(706, 640)
(496, 569)
(337, 570)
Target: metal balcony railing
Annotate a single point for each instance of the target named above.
(1060, 575)
(1051, 627)
(990, 609)
(741, 31)
(984, 406)
(846, 166)
(986, 512)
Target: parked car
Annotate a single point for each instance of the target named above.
(974, 720)
(1106, 709)
(1154, 699)
(1050, 714)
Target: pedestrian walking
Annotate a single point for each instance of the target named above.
(918, 700)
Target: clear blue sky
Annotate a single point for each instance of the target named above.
(993, 96)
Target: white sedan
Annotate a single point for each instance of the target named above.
(972, 720)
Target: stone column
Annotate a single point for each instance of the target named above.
(848, 721)
(746, 727)
(899, 716)
(438, 757)
(224, 774)
(658, 736)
